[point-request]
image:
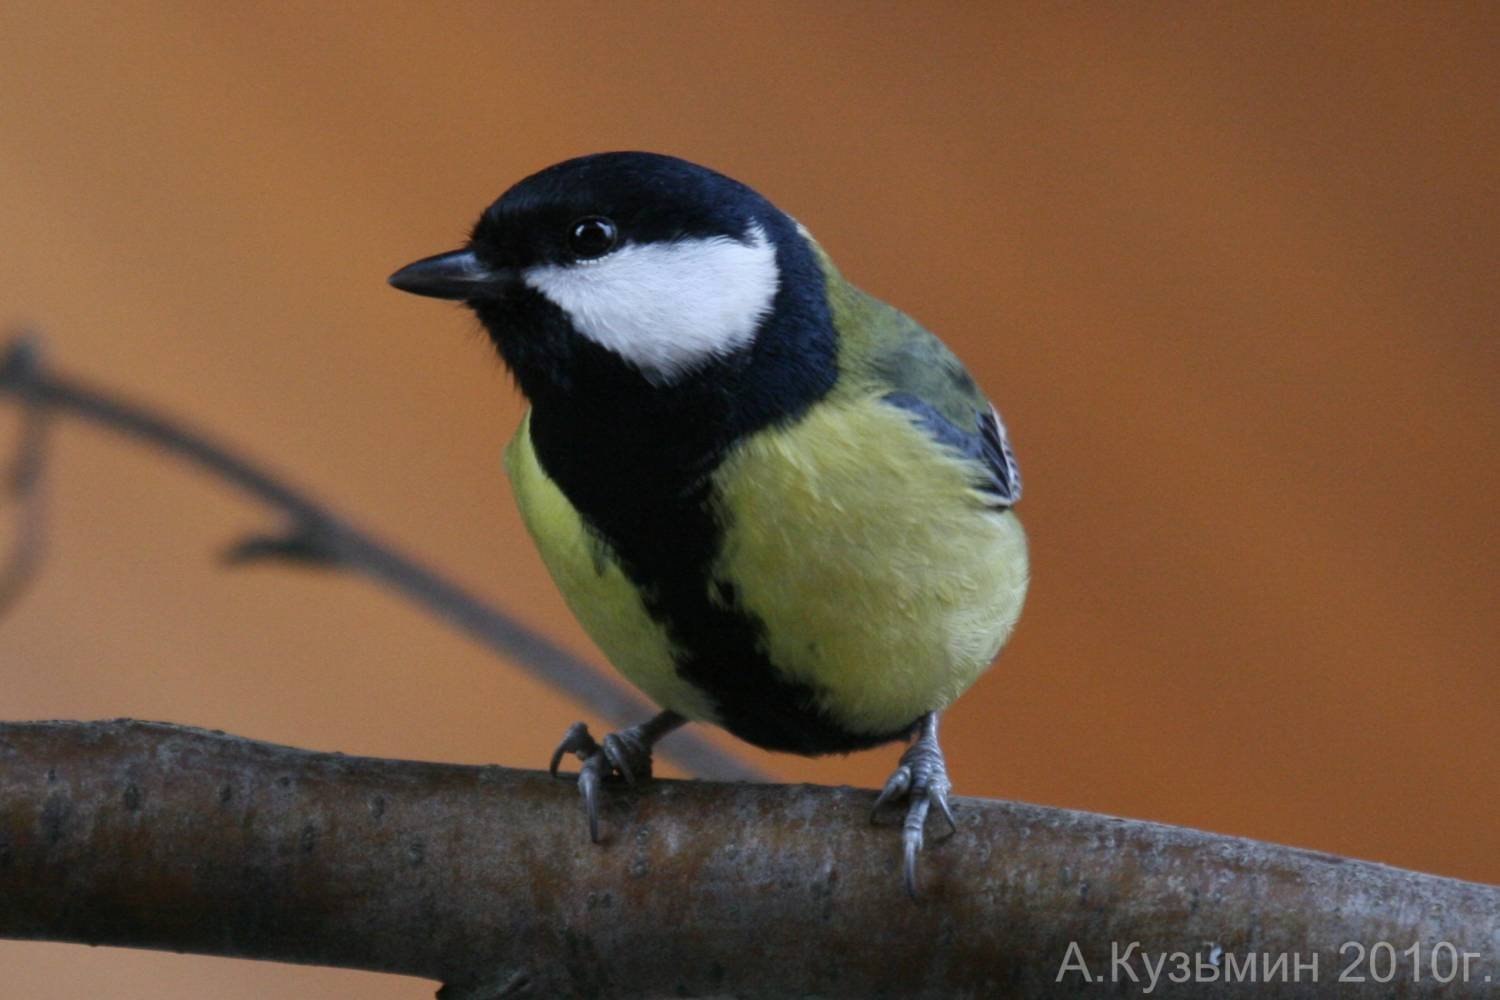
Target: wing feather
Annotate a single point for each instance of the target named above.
(986, 444)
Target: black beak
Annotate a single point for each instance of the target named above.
(456, 275)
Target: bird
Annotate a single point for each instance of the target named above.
(777, 504)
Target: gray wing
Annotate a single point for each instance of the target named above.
(985, 442)
(921, 376)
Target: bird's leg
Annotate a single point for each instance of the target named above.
(922, 777)
(627, 752)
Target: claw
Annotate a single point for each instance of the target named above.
(620, 748)
(576, 740)
(895, 787)
(579, 742)
(941, 798)
(921, 777)
(911, 840)
(627, 752)
(910, 846)
(588, 786)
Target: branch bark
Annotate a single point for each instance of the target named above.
(314, 534)
(157, 836)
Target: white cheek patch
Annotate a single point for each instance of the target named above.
(667, 308)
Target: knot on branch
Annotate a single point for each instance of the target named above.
(309, 544)
(21, 362)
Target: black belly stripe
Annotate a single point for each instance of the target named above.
(668, 554)
(654, 508)
(724, 654)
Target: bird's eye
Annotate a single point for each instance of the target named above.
(592, 237)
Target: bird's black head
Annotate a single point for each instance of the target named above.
(585, 208)
(623, 278)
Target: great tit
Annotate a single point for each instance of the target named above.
(777, 504)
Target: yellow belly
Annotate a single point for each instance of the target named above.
(885, 581)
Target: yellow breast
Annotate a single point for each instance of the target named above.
(883, 576)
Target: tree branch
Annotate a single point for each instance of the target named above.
(156, 836)
(314, 534)
(21, 483)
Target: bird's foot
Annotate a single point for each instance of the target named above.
(922, 779)
(626, 753)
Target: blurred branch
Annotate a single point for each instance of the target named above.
(21, 484)
(155, 836)
(313, 534)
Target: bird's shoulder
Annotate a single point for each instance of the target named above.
(885, 351)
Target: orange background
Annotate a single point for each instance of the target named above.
(1231, 276)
